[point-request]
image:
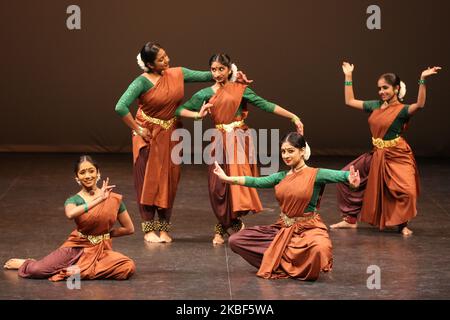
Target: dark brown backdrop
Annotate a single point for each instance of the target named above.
(59, 87)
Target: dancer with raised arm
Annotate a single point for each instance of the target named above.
(389, 186)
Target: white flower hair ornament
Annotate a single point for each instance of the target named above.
(141, 63)
(402, 92)
(234, 71)
(307, 152)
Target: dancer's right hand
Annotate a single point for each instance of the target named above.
(347, 68)
(105, 191)
(145, 134)
(205, 109)
(218, 171)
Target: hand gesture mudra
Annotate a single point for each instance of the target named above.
(242, 78)
(430, 71)
(347, 68)
(299, 126)
(205, 109)
(106, 189)
(218, 171)
(353, 178)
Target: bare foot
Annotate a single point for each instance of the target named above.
(13, 264)
(164, 236)
(406, 232)
(344, 225)
(218, 239)
(152, 237)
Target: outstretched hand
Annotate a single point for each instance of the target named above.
(430, 71)
(347, 68)
(106, 189)
(354, 178)
(218, 171)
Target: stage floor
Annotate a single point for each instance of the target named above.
(33, 188)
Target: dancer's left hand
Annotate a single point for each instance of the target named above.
(354, 178)
(218, 171)
(430, 71)
(242, 78)
(299, 126)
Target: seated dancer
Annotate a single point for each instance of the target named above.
(297, 245)
(88, 249)
(233, 144)
(389, 186)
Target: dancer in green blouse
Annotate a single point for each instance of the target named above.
(159, 90)
(227, 103)
(297, 245)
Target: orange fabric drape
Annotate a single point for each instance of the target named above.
(303, 249)
(393, 183)
(98, 261)
(161, 174)
(236, 148)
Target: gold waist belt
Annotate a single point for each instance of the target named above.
(230, 126)
(166, 124)
(290, 221)
(380, 143)
(95, 239)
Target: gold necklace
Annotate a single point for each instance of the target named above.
(301, 167)
(387, 104)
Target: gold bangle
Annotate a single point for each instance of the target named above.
(295, 118)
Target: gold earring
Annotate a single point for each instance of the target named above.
(78, 181)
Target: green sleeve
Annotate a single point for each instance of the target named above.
(264, 182)
(77, 200)
(135, 89)
(193, 104)
(257, 101)
(325, 176)
(122, 207)
(196, 76)
(404, 115)
(369, 106)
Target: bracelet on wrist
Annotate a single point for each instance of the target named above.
(140, 131)
(86, 208)
(348, 83)
(421, 81)
(294, 119)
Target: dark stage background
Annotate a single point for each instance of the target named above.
(59, 87)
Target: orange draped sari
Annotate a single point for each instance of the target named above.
(161, 176)
(98, 260)
(301, 248)
(236, 146)
(393, 182)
